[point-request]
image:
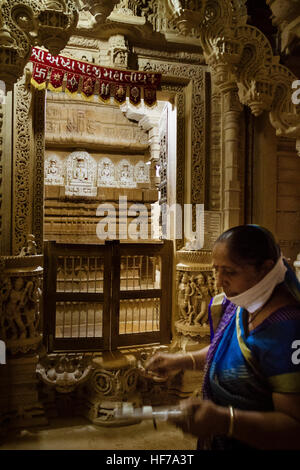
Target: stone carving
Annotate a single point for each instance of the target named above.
(20, 314)
(64, 372)
(31, 248)
(125, 172)
(53, 171)
(96, 124)
(100, 9)
(286, 16)
(22, 214)
(239, 55)
(118, 51)
(106, 173)
(81, 171)
(45, 23)
(110, 385)
(20, 288)
(141, 172)
(39, 157)
(194, 292)
(185, 291)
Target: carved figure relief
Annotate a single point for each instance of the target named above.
(81, 171)
(20, 314)
(31, 247)
(141, 172)
(106, 173)
(185, 291)
(53, 171)
(194, 294)
(125, 174)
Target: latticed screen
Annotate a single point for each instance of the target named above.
(140, 272)
(139, 316)
(80, 274)
(79, 320)
(107, 296)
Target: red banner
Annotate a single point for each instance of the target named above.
(59, 73)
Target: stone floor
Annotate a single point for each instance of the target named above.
(80, 434)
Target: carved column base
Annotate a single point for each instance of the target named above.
(20, 282)
(113, 381)
(19, 401)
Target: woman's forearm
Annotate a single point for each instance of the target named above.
(197, 361)
(272, 430)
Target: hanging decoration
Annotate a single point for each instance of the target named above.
(59, 73)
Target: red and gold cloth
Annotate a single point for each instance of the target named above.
(59, 73)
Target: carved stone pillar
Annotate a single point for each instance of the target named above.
(231, 117)
(20, 281)
(27, 156)
(195, 286)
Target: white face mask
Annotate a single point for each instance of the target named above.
(255, 297)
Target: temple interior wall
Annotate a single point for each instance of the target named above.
(61, 156)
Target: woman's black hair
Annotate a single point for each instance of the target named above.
(250, 244)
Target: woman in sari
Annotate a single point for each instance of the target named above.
(251, 388)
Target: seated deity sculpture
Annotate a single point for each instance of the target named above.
(141, 172)
(106, 173)
(80, 171)
(80, 174)
(53, 173)
(125, 175)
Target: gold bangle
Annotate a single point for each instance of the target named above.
(231, 422)
(193, 360)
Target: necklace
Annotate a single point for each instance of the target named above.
(252, 317)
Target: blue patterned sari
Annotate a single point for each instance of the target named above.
(244, 369)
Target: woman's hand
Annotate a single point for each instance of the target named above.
(161, 365)
(202, 418)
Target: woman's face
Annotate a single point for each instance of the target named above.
(234, 278)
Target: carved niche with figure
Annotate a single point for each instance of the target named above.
(81, 171)
(53, 171)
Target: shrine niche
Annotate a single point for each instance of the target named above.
(53, 171)
(106, 173)
(125, 174)
(81, 173)
(111, 153)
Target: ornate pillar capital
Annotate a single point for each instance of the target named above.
(48, 23)
(186, 14)
(101, 9)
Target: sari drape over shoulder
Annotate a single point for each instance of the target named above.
(244, 369)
